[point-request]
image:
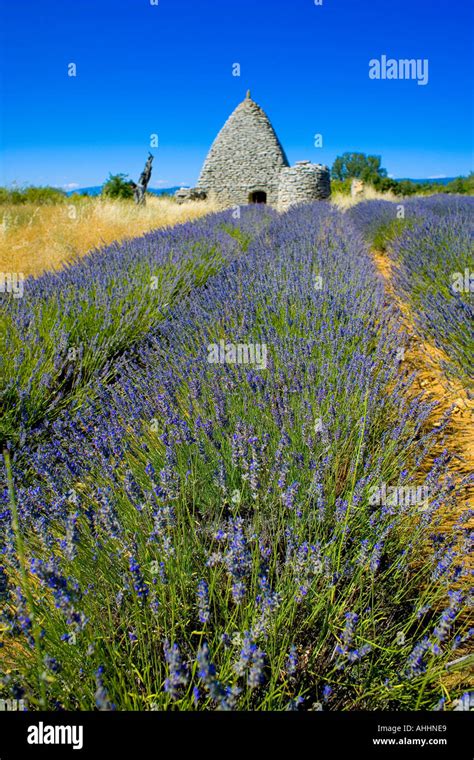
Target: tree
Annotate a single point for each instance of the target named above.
(117, 186)
(461, 185)
(358, 165)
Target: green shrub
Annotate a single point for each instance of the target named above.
(463, 185)
(341, 186)
(43, 195)
(117, 186)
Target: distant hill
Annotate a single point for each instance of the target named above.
(97, 189)
(435, 181)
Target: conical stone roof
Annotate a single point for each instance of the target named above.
(245, 158)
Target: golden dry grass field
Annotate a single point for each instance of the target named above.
(35, 238)
(369, 193)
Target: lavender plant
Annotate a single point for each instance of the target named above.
(203, 535)
(430, 241)
(434, 271)
(71, 326)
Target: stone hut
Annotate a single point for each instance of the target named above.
(245, 160)
(303, 182)
(247, 164)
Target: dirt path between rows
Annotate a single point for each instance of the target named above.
(426, 360)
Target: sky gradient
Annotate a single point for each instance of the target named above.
(166, 69)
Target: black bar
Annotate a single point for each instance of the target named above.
(154, 734)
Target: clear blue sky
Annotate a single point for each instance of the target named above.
(167, 69)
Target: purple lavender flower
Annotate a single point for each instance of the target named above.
(72, 536)
(256, 674)
(178, 677)
(348, 655)
(225, 696)
(138, 582)
(237, 558)
(292, 661)
(294, 704)
(376, 556)
(52, 664)
(289, 495)
(327, 691)
(203, 602)
(306, 565)
(102, 700)
(447, 618)
(251, 662)
(268, 602)
(416, 663)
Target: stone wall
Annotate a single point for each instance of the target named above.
(185, 194)
(302, 183)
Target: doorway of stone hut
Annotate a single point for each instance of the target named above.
(258, 196)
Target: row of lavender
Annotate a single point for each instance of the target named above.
(237, 521)
(67, 328)
(431, 242)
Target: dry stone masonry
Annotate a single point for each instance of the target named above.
(247, 164)
(303, 182)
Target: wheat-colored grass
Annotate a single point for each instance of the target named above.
(368, 194)
(34, 239)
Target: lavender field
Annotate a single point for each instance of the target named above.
(222, 487)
